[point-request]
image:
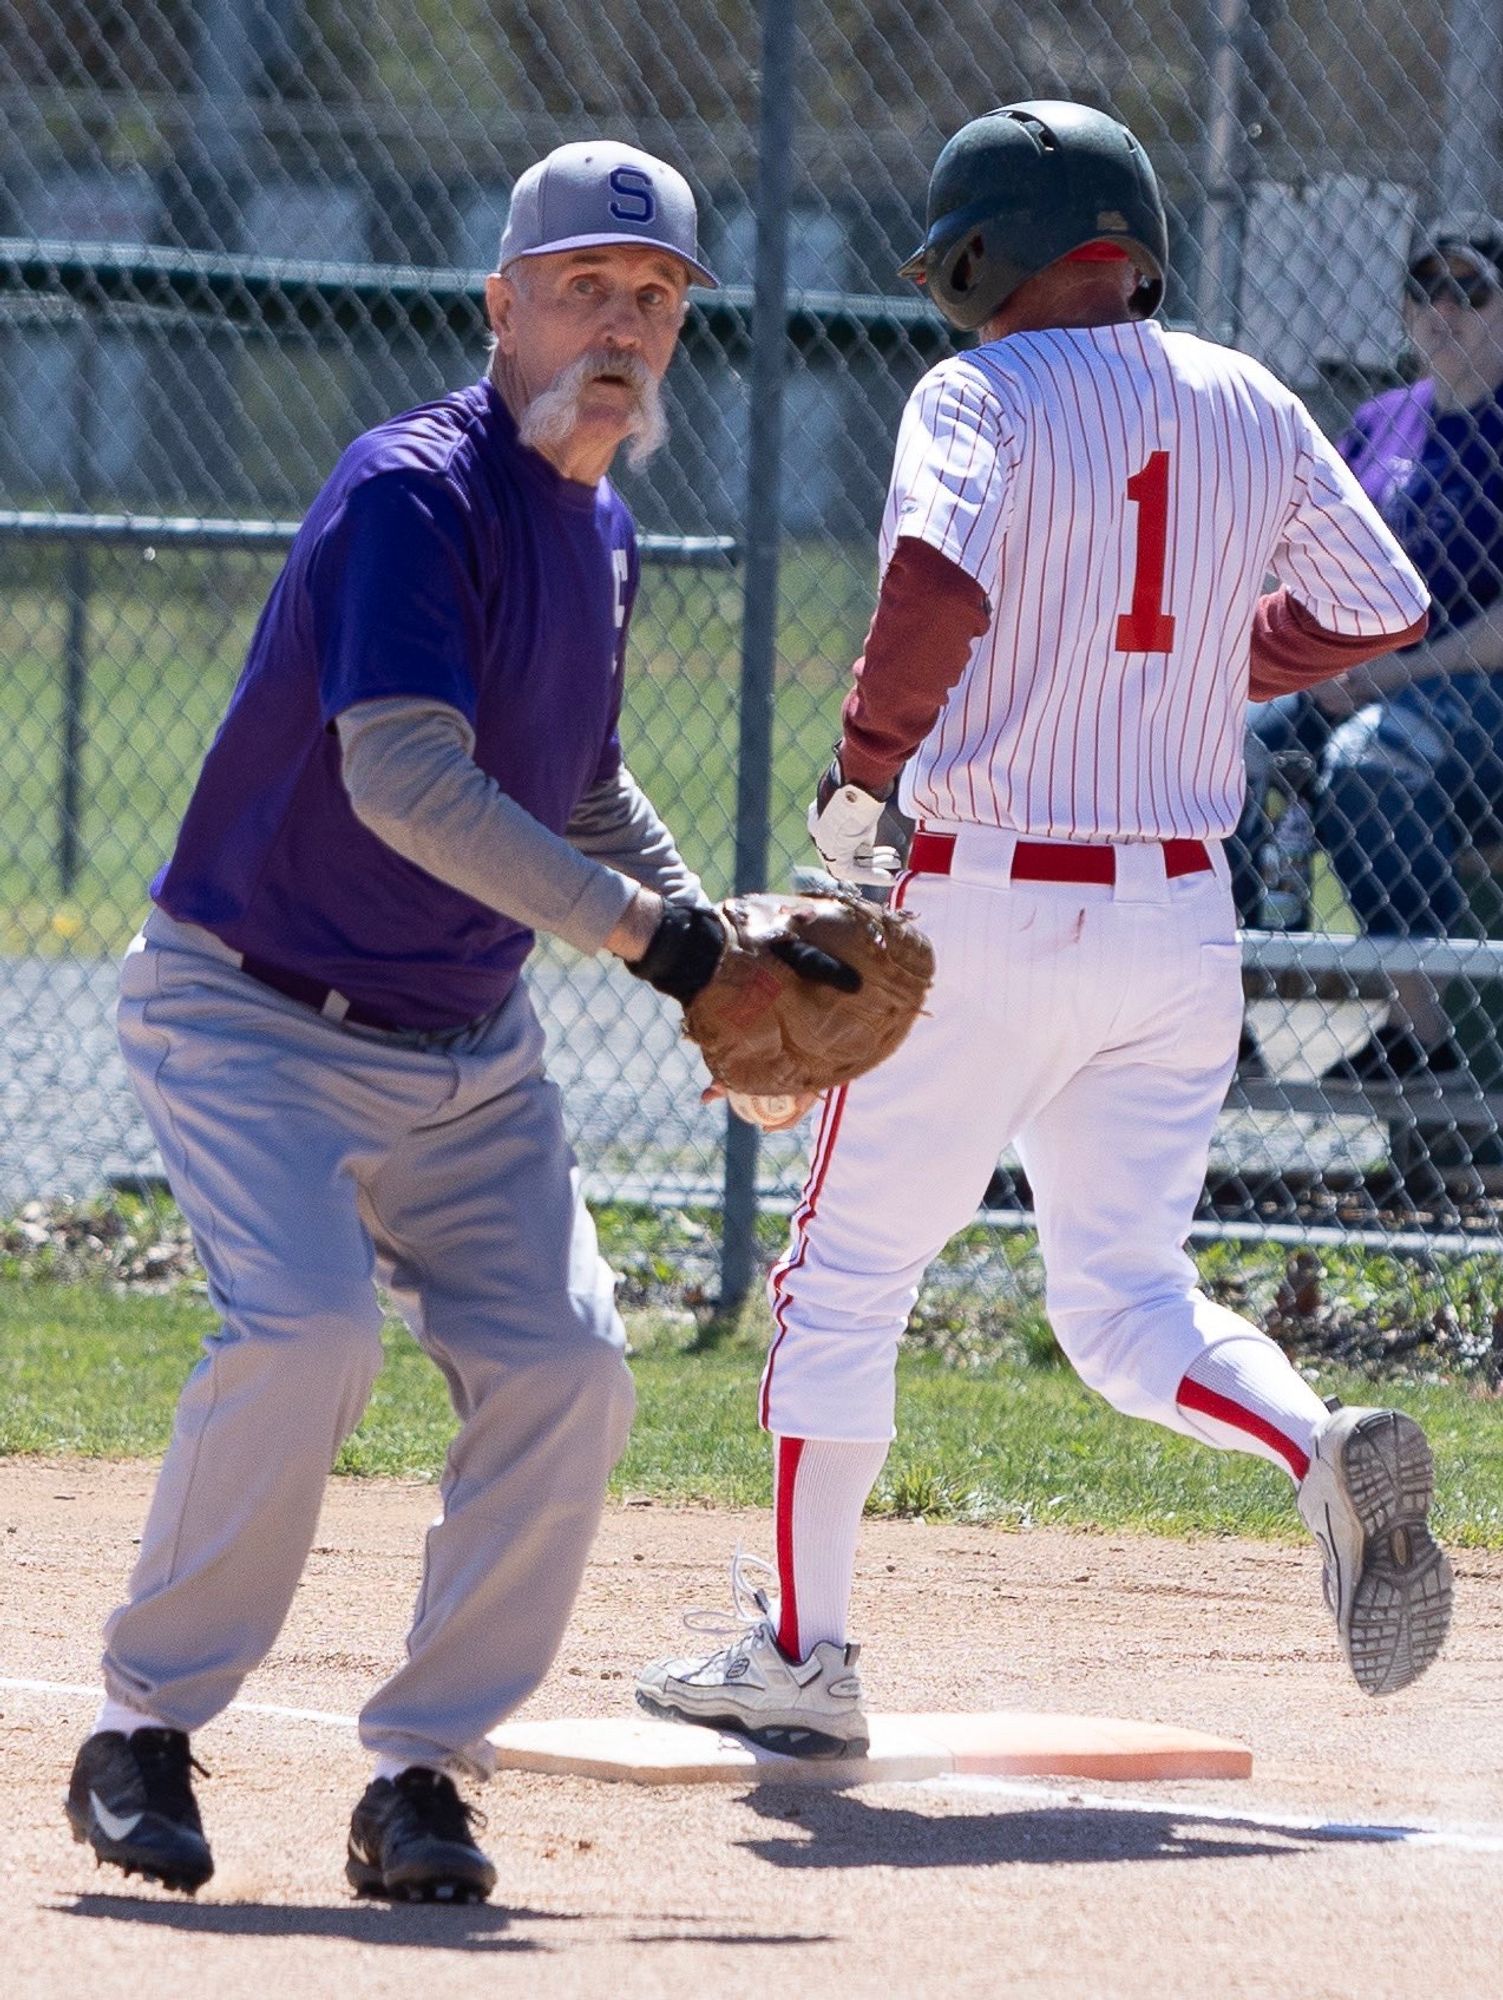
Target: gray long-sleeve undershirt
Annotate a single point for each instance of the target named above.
(412, 780)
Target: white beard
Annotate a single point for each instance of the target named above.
(550, 418)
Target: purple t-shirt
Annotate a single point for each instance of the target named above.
(1436, 477)
(1386, 437)
(446, 561)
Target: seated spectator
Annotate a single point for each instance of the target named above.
(1408, 752)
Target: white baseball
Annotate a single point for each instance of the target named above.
(773, 1114)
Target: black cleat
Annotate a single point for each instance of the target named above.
(131, 1798)
(410, 1840)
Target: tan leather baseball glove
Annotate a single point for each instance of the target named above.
(809, 992)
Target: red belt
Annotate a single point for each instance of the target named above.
(1065, 861)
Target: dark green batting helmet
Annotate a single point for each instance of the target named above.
(1024, 186)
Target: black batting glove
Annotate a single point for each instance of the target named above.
(683, 953)
(832, 779)
(830, 782)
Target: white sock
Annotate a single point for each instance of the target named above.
(1244, 1394)
(819, 1489)
(115, 1715)
(393, 1767)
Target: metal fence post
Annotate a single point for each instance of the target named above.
(1467, 170)
(76, 587)
(1222, 170)
(760, 540)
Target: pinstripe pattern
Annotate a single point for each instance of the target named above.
(1014, 460)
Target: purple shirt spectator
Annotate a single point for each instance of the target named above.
(1386, 437)
(1437, 479)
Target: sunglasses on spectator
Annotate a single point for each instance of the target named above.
(1432, 281)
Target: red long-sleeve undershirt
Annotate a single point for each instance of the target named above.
(1290, 651)
(930, 612)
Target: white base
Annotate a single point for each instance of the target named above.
(642, 1751)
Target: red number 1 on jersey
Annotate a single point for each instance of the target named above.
(1148, 628)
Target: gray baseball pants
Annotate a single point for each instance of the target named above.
(312, 1160)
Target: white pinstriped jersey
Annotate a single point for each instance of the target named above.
(1121, 494)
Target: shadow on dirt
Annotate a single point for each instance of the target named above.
(418, 1926)
(472, 1927)
(838, 1830)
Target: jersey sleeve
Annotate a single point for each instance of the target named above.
(952, 473)
(1335, 555)
(396, 610)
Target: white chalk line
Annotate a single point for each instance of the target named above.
(1468, 1840)
(96, 1693)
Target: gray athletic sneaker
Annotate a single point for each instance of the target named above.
(1366, 1499)
(807, 1708)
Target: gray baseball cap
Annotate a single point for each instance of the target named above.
(599, 191)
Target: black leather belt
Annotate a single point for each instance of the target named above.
(298, 986)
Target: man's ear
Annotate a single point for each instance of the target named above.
(500, 301)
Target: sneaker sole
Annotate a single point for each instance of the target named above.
(1401, 1610)
(133, 1861)
(787, 1739)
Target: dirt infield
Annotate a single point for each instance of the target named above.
(1295, 1885)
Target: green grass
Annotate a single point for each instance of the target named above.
(1428, 1320)
(165, 646)
(92, 1371)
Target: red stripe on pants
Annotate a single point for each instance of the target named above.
(793, 1257)
(790, 1451)
(1195, 1396)
(824, 1146)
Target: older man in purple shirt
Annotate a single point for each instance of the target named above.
(1408, 752)
(419, 770)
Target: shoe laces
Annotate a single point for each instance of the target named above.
(751, 1607)
(166, 1765)
(434, 1806)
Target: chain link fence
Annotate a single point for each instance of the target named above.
(238, 231)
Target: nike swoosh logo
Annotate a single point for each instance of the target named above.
(113, 1825)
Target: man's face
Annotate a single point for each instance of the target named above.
(611, 315)
(1453, 314)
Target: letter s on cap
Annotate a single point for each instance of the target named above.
(634, 200)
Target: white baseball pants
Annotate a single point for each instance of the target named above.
(1096, 1028)
(312, 1160)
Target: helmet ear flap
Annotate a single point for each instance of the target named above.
(1148, 296)
(966, 264)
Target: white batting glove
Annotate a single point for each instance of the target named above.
(843, 822)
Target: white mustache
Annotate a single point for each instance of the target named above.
(551, 416)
